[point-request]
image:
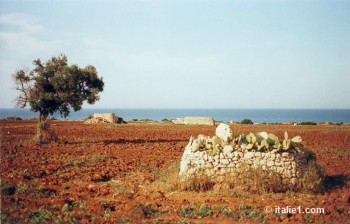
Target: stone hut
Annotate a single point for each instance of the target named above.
(102, 118)
(194, 121)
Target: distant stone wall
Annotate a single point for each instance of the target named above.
(102, 118)
(290, 165)
(194, 121)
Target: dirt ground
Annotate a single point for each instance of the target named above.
(108, 173)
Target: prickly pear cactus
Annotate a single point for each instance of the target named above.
(262, 142)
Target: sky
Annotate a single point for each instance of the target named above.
(188, 54)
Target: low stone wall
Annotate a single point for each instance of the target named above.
(290, 165)
(194, 120)
(225, 154)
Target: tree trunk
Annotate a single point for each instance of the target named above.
(44, 132)
(42, 116)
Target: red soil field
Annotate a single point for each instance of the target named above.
(108, 173)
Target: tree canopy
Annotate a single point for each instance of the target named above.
(57, 87)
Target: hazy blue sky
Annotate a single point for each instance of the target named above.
(188, 54)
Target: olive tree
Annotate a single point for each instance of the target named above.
(55, 86)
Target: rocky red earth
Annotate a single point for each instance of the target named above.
(127, 173)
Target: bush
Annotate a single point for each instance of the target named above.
(313, 179)
(247, 121)
(120, 120)
(307, 123)
(89, 117)
(13, 118)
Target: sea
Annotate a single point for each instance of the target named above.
(226, 115)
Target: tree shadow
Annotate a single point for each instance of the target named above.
(335, 182)
(124, 141)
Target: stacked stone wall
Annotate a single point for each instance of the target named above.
(289, 165)
(225, 154)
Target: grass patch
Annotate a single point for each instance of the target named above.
(124, 219)
(250, 212)
(40, 216)
(313, 180)
(194, 212)
(22, 188)
(12, 118)
(191, 211)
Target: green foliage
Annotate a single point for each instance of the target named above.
(12, 118)
(22, 188)
(262, 141)
(190, 211)
(313, 179)
(40, 216)
(307, 123)
(55, 86)
(204, 211)
(124, 219)
(193, 211)
(250, 212)
(247, 121)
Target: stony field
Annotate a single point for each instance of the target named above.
(106, 173)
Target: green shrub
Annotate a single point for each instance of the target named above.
(190, 211)
(247, 121)
(13, 118)
(307, 123)
(40, 216)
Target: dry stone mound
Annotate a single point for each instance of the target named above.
(102, 118)
(225, 154)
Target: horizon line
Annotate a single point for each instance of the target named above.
(193, 108)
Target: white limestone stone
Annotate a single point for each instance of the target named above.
(223, 131)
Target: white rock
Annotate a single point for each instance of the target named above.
(262, 162)
(224, 161)
(230, 155)
(293, 181)
(227, 149)
(205, 157)
(216, 157)
(249, 155)
(231, 165)
(270, 163)
(279, 170)
(236, 154)
(285, 154)
(223, 131)
(185, 161)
